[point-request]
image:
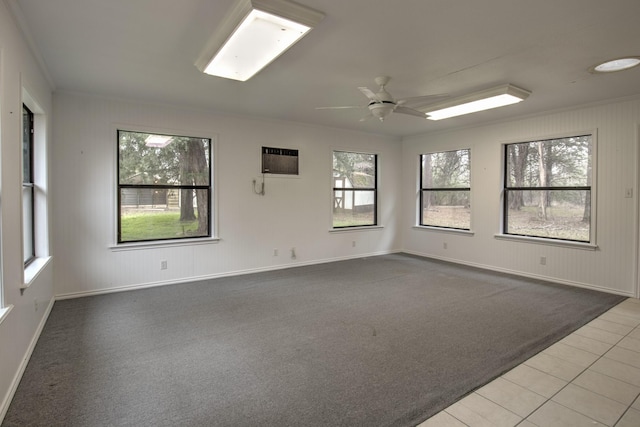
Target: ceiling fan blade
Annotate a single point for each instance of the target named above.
(406, 110)
(366, 117)
(369, 94)
(340, 108)
(420, 101)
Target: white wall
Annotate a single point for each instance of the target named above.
(20, 328)
(295, 212)
(612, 267)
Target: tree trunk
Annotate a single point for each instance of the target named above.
(186, 195)
(543, 180)
(548, 167)
(197, 161)
(518, 155)
(586, 215)
(427, 182)
(186, 205)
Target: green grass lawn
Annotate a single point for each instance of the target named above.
(155, 225)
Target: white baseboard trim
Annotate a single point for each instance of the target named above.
(523, 274)
(82, 294)
(25, 360)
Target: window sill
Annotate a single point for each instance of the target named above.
(163, 244)
(444, 230)
(4, 313)
(33, 270)
(548, 242)
(362, 228)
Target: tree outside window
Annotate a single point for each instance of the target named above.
(355, 193)
(445, 189)
(547, 188)
(164, 187)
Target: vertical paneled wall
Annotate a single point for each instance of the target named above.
(612, 266)
(294, 212)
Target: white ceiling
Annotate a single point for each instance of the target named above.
(146, 49)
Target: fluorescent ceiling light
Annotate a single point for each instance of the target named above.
(479, 101)
(158, 141)
(253, 34)
(616, 65)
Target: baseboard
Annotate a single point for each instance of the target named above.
(72, 295)
(25, 360)
(523, 274)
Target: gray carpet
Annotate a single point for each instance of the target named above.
(381, 341)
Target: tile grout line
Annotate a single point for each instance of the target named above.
(571, 382)
(599, 357)
(584, 370)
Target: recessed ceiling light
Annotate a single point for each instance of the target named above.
(616, 65)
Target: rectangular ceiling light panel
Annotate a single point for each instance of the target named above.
(254, 34)
(479, 101)
(158, 141)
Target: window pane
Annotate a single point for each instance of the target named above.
(27, 145)
(450, 209)
(354, 170)
(558, 214)
(562, 162)
(164, 213)
(354, 189)
(448, 169)
(353, 208)
(27, 223)
(152, 159)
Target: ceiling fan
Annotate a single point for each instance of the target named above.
(381, 104)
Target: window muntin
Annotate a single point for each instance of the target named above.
(547, 188)
(28, 188)
(164, 187)
(355, 189)
(445, 189)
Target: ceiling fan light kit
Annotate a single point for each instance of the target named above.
(479, 101)
(253, 34)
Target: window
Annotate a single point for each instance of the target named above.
(164, 187)
(547, 188)
(355, 189)
(28, 188)
(445, 189)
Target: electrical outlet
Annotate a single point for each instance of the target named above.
(293, 253)
(275, 251)
(543, 260)
(628, 193)
(353, 243)
(35, 304)
(444, 245)
(163, 265)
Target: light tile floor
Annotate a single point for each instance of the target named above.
(589, 378)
